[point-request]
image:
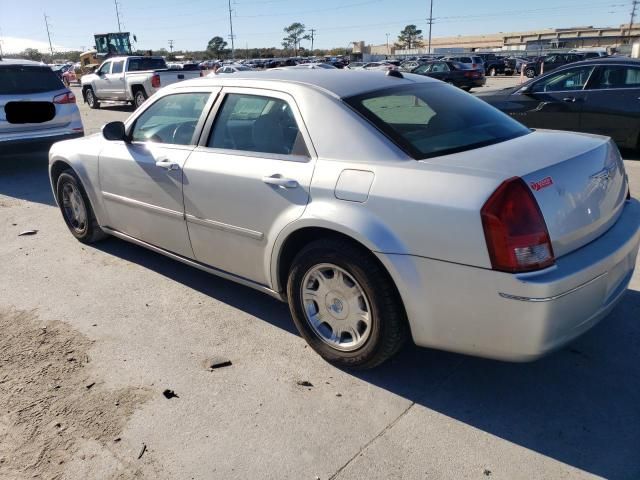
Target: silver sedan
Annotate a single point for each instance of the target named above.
(378, 205)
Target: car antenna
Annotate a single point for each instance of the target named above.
(394, 73)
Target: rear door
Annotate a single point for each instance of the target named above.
(553, 102)
(248, 179)
(612, 104)
(31, 83)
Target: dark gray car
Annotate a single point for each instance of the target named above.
(599, 96)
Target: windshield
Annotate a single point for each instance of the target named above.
(27, 79)
(146, 63)
(428, 120)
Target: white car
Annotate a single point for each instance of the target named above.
(378, 205)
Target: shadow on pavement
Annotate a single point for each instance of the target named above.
(26, 177)
(580, 405)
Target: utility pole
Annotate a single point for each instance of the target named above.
(313, 37)
(388, 52)
(46, 23)
(634, 5)
(118, 14)
(171, 45)
(430, 24)
(233, 50)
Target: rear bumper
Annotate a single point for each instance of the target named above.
(517, 317)
(36, 142)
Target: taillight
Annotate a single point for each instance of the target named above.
(155, 81)
(515, 230)
(65, 98)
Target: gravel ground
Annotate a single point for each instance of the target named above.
(92, 337)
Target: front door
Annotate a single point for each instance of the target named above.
(141, 181)
(553, 102)
(247, 181)
(101, 83)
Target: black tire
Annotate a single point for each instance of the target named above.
(530, 73)
(91, 98)
(466, 89)
(139, 97)
(88, 231)
(389, 326)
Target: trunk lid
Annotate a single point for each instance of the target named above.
(578, 180)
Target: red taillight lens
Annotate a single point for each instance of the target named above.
(155, 81)
(65, 98)
(515, 230)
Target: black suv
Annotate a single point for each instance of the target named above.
(493, 65)
(551, 62)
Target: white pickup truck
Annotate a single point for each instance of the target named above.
(130, 79)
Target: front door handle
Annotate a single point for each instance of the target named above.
(570, 99)
(280, 181)
(167, 164)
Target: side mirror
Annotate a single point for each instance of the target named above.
(113, 131)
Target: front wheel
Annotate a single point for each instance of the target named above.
(76, 209)
(345, 305)
(92, 101)
(530, 73)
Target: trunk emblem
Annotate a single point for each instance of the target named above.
(544, 183)
(602, 177)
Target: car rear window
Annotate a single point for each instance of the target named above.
(21, 79)
(430, 120)
(141, 64)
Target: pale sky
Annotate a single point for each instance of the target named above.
(191, 23)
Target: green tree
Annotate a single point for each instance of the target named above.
(295, 34)
(216, 46)
(410, 37)
(31, 54)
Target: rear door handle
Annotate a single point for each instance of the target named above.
(167, 164)
(280, 181)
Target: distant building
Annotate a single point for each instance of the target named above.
(557, 38)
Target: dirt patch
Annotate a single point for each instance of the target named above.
(48, 415)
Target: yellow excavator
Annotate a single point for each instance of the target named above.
(106, 45)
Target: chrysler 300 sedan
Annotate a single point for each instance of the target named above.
(378, 205)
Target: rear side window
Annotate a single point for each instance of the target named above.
(253, 123)
(21, 79)
(618, 76)
(431, 120)
(146, 63)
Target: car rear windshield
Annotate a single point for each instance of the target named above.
(22, 79)
(429, 120)
(141, 64)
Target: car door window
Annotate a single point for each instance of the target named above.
(618, 76)
(104, 69)
(422, 69)
(254, 123)
(117, 67)
(571, 79)
(171, 119)
(439, 67)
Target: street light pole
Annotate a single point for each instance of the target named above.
(430, 24)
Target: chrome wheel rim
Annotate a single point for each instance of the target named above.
(139, 99)
(336, 307)
(74, 208)
(90, 99)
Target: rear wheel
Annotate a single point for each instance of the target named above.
(345, 305)
(530, 72)
(139, 98)
(76, 209)
(92, 101)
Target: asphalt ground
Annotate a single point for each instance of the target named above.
(93, 336)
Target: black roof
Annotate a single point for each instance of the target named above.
(606, 60)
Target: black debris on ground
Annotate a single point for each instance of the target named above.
(169, 394)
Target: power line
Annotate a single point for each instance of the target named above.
(46, 23)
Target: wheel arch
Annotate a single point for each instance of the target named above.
(57, 167)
